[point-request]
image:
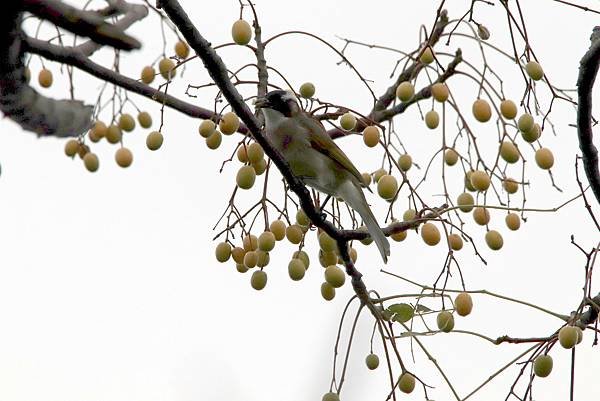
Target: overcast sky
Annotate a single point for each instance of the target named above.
(109, 290)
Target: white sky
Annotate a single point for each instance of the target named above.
(109, 289)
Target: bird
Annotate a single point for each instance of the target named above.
(315, 158)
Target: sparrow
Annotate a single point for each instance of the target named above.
(315, 158)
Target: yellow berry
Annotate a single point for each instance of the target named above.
(250, 243)
(399, 236)
(237, 254)
(303, 256)
(126, 122)
(430, 234)
(510, 185)
(241, 268)
(245, 177)
(463, 303)
(255, 152)
(455, 241)
(206, 128)
(544, 158)
(327, 291)
(335, 276)
(326, 243)
(482, 110)
(263, 258)
(387, 186)
(250, 259)
(465, 202)
(328, 258)
(123, 157)
(241, 32)
(147, 75)
(509, 152)
(480, 180)
(91, 162)
(427, 56)
(568, 336)
(508, 109)
(371, 136)
(154, 140)
(260, 166)
(113, 134)
(166, 67)
(98, 131)
(182, 50)
(266, 241)
(294, 234)
(307, 90)
(214, 140)
(405, 91)
(450, 157)
(542, 365)
(494, 240)
(71, 147)
(534, 70)
(229, 123)
(372, 361)
(481, 216)
(258, 281)
(223, 252)
(330, 396)
(525, 123)
(409, 214)
(301, 218)
(277, 227)
(440, 92)
(468, 184)
(296, 269)
(145, 119)
(432, 119)
(533, 134)
(445, 321)
(378, 174)
(45, 78)
(405, 162)
(348, 121)
(406, 384)
(513, 222)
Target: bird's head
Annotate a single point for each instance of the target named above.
(281, 101)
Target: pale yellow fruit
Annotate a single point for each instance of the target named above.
(99, 130)
(440, 92)
(399, 236)
(303, 256)
(255, 152)
(266, 241)
(465, 202)
(348, 121)
(508, 109)
(277, 227)
(445, 321)
(45, 78)
(335, 276)
(126, 122)
(307, 90)
(371, 136)
(534, 70)
(409, 214)
(480, 180)
(432, 119)
(430, 234)
(353, 255)
(166, 67)
(533, 134)
(260, 166)
(406, 384)
(147, 75)
(237, 254)
(241, 32)
(263, 258)
(366, 179)
(182, 50)
(455, 241)
(327, 258)
(250, 259)
(494, 240)
(113, 134)
(91, 162)
(544, 158)
(378, 174)
(579, 334)
(241, 268)
(567, 337)
(372, 361)
(330, 396)
(482, 110)
(124, 157)
(387, 186)
(206, 128)
(258, 281)
(327, 291)
(513, 222)
(245, 178)
(82, 150)
(463, 303)
(511, 186)
(296, 269)
(525, 123)
(427, 56)
(71, 147)
(223, 252)
(542, 366)
(214, 140)
(481, 216)
(145, 119)
(154, 140)
(509, 152)
(450, 157)
(405, 162)
(405, 91)
(468, 184)
(302, 218)
(294, 234)
(326, 243)
(250, 243)
(229, 123)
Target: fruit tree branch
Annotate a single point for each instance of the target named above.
(588, 70)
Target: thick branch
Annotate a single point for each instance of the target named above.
(588, 70)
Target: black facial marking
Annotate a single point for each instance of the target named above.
(281, 101)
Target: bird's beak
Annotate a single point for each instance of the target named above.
(261, 102)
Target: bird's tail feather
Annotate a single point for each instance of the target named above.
(354, 196)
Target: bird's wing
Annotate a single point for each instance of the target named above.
(320, 141)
